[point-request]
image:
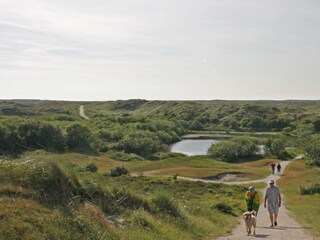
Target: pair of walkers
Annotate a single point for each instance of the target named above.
(274, 166)
(272, 199)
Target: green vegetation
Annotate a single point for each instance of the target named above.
(112, 176)
(91, 167)
(234, 149)
(305, 207)
(118, 171)
(312, 148)
(146, 128)
(313, 189)
(91, 205)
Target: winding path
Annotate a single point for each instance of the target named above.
(287, 229)
(81, 112)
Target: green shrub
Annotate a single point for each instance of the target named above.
(118, 171)
(122, 156)
(233, 150)
(91, 167)
(313, 189)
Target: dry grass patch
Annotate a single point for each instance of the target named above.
(305, 208)
(184, 171)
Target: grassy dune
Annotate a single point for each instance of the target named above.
(52, 196)
(305, 208)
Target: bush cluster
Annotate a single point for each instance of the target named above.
(313, 189)
(91, 167)
(233, 150)
(118, 171)
(129, 138)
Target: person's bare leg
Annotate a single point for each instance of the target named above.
(271, 218)
(275, 219)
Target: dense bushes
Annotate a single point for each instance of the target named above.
(277, 147)
(312, 148)
(233, 150)
(135, 138)
(78, 136)
(146, 128)
(23, 135)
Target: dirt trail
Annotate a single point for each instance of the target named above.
(81, 112)
(287, 227)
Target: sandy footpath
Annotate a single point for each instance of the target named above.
(287, 227)
(81, 112)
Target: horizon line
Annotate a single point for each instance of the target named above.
(173, 100)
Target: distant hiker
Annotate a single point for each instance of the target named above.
(279, 168)
(252, 200)
(273, 166)
(273, 197)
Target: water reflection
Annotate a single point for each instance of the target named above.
(192, 147)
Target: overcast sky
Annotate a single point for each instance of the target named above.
(164, 50)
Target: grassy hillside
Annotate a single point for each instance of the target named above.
(201, 115)
(306, 208)
(45, 196)
(50, 196)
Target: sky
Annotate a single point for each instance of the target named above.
(101, 50)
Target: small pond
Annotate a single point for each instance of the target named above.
(192, 147)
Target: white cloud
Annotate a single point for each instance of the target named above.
(166, 50)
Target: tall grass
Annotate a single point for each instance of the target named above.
(305, 208)
(65, 202)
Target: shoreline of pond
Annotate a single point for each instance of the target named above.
(198, 144)
(206, 136)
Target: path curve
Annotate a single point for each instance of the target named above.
(287, 229)
(81, 112)
(275, 177)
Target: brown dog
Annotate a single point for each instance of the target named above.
(250, 221)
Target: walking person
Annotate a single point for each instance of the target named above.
(273, 200)
(252, 198)
(279, 168)
(273, 166)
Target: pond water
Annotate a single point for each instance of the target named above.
(192, 147)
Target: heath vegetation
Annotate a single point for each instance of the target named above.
(112, 176)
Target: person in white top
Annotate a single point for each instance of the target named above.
(273, 198)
